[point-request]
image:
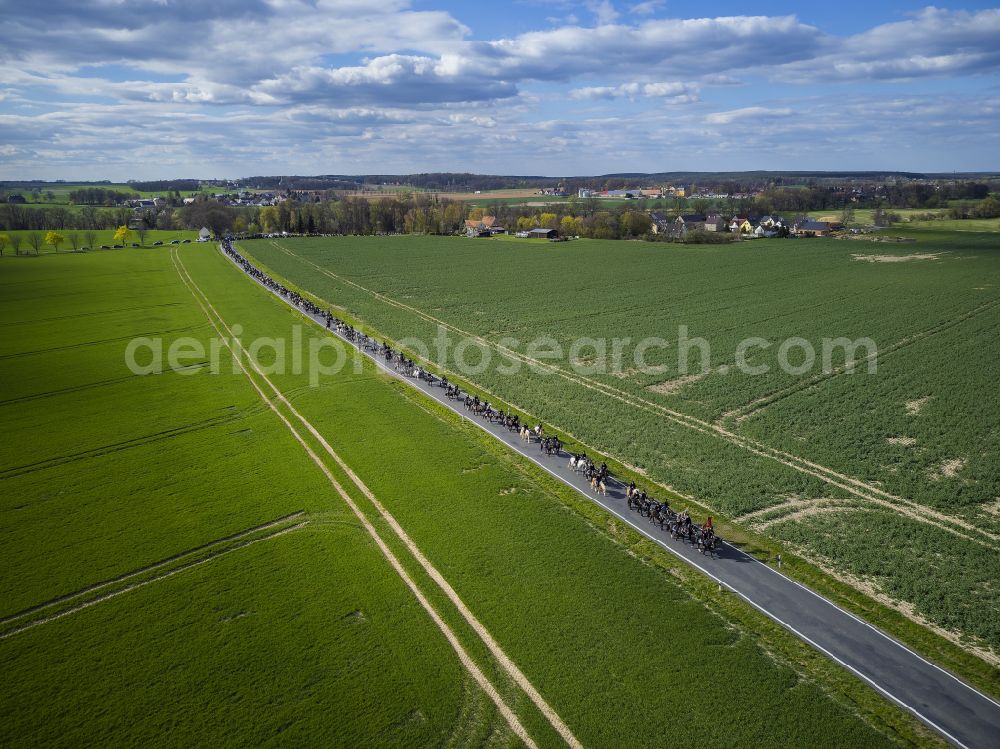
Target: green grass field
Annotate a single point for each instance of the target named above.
(60, 191)
(143, 485)
(778, 452)
(865, 217)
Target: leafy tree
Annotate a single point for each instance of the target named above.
(217, 217)
(568, 226)
(989, 208)
(54, 239)
(269, 219)
(122, 235)
(636, 224)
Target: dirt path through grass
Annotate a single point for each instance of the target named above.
(506, 663)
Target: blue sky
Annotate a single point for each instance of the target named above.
(119, 89)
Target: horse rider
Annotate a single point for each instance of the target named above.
(707, 525)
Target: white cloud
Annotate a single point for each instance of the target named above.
(647, 8)
(747, 113)
(934, 42)
(604, 11)
(675, 92)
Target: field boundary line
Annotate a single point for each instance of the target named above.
(156, 578)
(150, 567)
(464, 658)
(916, 511)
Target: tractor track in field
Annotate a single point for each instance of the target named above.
(101, 341)
(151, 567)
(502, 659)
(747, 410)
(956, 526)
(71, 603)
(98, 313)
(89, 386)
(97, 452)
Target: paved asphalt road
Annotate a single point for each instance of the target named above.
(963, 715)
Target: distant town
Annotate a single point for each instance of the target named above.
(691, 208)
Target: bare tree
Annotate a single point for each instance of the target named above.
(74, 240)
(141, 232)
(15, 242)
(90, 237)
(35, 239)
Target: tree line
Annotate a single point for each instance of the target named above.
(422, 213)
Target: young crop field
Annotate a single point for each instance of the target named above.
(794, 451)
(188, 562)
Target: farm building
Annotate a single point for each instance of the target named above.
(810, 228)
(543, 234)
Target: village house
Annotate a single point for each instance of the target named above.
(715, 222)
(660, 222)
(740, 225)
(691, 221)
(480, 227)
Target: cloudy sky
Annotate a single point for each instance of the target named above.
(118, 89)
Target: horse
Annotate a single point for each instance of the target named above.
(707, 541)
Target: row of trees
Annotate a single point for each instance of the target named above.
(987, 208)
(15, 217)
(35, 240)
(100, 196)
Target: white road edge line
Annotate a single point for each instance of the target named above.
(464, 658)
